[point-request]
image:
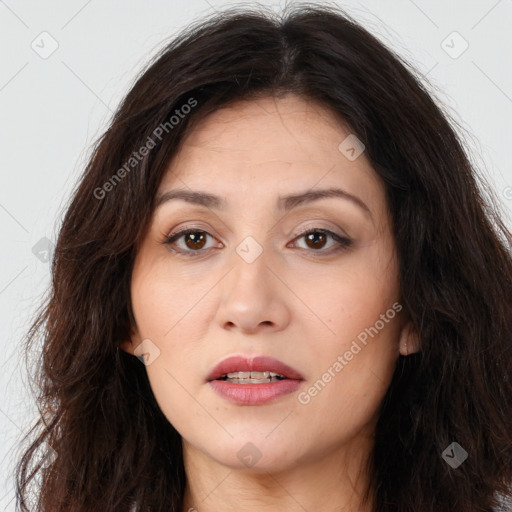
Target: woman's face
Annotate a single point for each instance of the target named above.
(247, 283)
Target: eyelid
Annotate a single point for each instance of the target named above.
(316, 227)
(301, 231)
(176, 234)
(342, 241)
(191, 227)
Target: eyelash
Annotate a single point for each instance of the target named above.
(344, 242)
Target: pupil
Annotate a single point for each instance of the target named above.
(311, 236)
(193, 238)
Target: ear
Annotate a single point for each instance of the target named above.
(409, 341)
(130, 344)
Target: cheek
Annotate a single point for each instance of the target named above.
(363, 350)
(354, 358)
(352, 377)
(348, 298)
(169, 310)
(162, 298)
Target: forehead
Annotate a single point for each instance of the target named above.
(262, 146)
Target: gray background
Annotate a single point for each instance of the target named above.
(53, 106)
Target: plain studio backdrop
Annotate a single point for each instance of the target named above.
(65, 66)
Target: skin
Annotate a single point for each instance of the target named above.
(299, 302)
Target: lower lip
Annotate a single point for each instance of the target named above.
(254, 394)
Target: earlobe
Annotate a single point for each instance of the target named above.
(130, 344)
(127, 346)
(409, 342)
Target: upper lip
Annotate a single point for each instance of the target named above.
(253, 364)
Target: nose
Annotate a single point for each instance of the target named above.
(254, 296)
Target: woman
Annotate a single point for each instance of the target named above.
(277, 286)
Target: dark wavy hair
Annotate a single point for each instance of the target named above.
(112, 446)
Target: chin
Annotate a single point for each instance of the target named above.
(257, 454)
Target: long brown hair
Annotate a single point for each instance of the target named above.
(113, 445)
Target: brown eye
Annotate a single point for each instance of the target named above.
(192, 241)
(195, 241)
(316, 239)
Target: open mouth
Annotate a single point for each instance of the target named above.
(252, 377)
(253, 381)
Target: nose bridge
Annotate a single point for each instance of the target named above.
(251, 294)
(250, 259)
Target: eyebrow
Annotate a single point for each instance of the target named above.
(284, 203)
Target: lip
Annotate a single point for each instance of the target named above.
(254, 394)
(253, 364)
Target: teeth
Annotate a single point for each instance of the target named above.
(252, 381)
(253, 375)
